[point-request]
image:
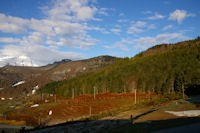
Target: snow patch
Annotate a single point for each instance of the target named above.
(10, 98)
(35, 105)
(188, 113)
(50, 112)
(3, 98)
(18, 83)
(34, 89)
(69, 70)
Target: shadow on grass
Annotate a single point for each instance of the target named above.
(115, 126)
(90, 126)
(194, 100)
(146, 127)
(193, 91)
(150, 111)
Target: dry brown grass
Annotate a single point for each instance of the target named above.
(12, 122)
(79, 107)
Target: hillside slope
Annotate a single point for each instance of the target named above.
(33, 76)
(162, 69)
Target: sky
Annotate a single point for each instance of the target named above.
(39, 32)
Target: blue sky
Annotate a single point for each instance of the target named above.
(38, 32)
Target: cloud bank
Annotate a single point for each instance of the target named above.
(65, 25)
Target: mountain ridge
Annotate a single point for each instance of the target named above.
(161, 48)
(52, 72)
(163, 71)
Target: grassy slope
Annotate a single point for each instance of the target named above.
(161, 120)
(168, 65)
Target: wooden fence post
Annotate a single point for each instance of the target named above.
(135, 96)
(72, 93)
(94, 92)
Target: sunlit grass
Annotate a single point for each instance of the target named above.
(12, 122)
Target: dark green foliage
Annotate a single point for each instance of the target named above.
(163, 72)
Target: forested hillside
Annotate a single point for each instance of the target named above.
(39, 76)
(163, 69)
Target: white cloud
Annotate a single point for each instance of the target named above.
(80, 41)
(116, 31)
(11, 24)
(103, 11)
(180, 15)
(78, 8)
(140, 23)
(143, 43)
(117, 25)
(147, 12)
(65, 24)
(62, 21)
(66, 28)
(151, 26)
(122, 20)
(156, 16)
(136, 27)
(146, 42)
(191, 15)
(9, 40)
(44, 26)
(167, 27)
(35, 38)
(34, 55)
(95, 28)
(122, 45)
(85, 13)
(121, 14)
(64, 33)
(118, 45)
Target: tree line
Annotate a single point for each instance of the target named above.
(165, 72)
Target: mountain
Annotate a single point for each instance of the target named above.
(39, 76)
(13, 74)
(75, 68)
(164, 69)
(56, 63)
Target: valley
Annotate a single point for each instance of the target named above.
(148, 114)
(99, 66)
(105, 93)
(39, 76)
